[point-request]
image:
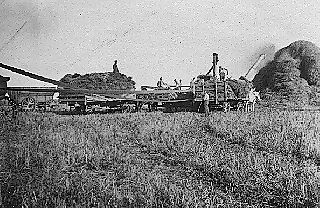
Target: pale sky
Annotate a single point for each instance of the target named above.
(149, 38)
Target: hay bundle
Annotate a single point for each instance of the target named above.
(314, 95)
(279, 77)
(287, 66)
(240, 87)
(264, 79)
(284, 99)
(295, 86)
(311, 70)
(285, 71)
(294, 69)
(100, 81)
(209, 86)
(307, 57)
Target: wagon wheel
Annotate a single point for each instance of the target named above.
(50, 104)
(246, 106)
(28, 103)
(226, 107)
(240, 106)
(127, 108)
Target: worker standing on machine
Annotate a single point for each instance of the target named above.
(193, 86)
(77, 107)
(206, 99)
(115, 67)
(223, 73)
(160, 83)
(176, 83)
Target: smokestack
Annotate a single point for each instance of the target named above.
(215, 66)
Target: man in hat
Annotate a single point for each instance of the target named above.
(176, 83)
(193, 86)
(206, 98)
(223, 73)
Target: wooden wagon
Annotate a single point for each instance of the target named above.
(32, 98)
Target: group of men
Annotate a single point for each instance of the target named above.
(162, 84)
(223, 72)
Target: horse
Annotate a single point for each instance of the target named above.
(253, 96)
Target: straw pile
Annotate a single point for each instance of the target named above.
(293, 77)
(234, 88)
(240, 87)
(100, 81)
(314, 96)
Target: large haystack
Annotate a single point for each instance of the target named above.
(306, 56)
(100, 81)
(287, 79)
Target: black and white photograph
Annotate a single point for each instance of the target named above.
(159, 103)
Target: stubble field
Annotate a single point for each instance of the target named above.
(267, 158)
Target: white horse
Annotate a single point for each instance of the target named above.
(253, 96)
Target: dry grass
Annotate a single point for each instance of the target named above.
(260, 159)
(100, 81)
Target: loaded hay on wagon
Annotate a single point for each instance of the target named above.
(100, 81)
(95, 82)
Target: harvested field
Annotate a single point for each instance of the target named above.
(258, 159)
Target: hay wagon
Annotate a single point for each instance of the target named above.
(96, 101)
(225, 94)
(222, 96)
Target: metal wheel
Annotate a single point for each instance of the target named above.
(127, 108)
(250, 106)
(174, 109)
(51, 104)
(28, 104)
(240, 106)
(226, 107)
